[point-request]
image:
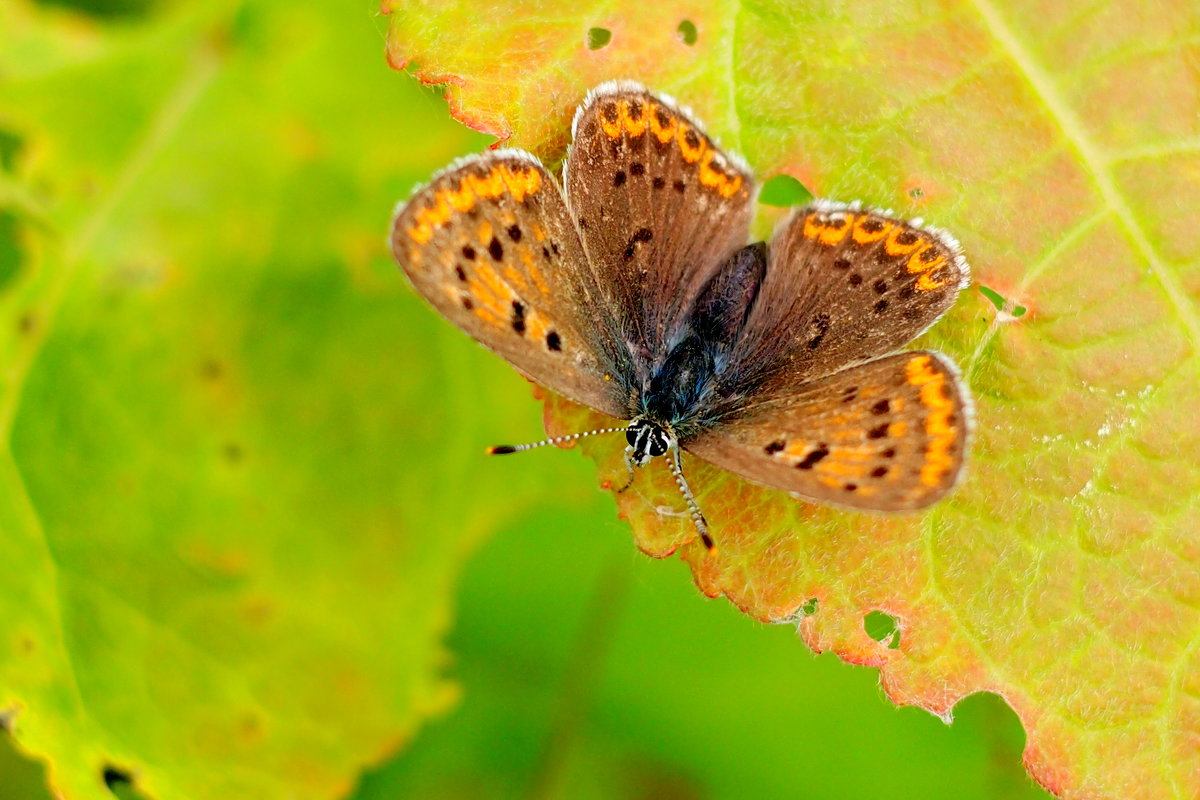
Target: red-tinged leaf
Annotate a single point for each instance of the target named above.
(1061, 144)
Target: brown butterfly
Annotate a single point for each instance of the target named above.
(630, 288)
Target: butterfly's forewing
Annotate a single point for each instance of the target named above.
(888, 435)
(490, 244)
(658, 204)
(844, 285)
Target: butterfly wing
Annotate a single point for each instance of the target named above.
(888, 435)
(490, 244)
(658, 204)
(843, 285)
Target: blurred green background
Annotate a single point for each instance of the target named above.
(225, 406)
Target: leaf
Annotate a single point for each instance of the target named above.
(1060, 145)
(225, 573)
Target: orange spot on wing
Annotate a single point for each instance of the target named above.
(636, 126)
(938, 461)
(663, 132)
(863, 236)
(614, 129)
(812, 226)
(926, 283)
(690, 154)
(894, 247)
(837, 229)
(837, 466)
(725, 185)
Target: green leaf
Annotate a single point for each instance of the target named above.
(228, 448)
(1059, 143)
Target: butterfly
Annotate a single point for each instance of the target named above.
(630, 288)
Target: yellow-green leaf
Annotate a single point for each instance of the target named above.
(1061, 144)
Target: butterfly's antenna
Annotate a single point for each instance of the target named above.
(502, 449)
(693, 506)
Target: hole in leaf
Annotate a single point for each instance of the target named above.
(998, 300)
(120, 783)
(784, 190)
(883, 628)
(598, 37)
(687, 32)
(115, 777)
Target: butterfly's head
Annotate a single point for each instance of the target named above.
(648, 440)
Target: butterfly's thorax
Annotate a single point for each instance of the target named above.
(686, 388)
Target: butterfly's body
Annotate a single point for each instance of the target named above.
(630, 289)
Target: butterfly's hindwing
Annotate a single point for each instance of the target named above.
(489, 244)
(888, 435)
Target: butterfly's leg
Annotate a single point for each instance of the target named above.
(628, 466)
(674, 462)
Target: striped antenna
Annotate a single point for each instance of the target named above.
(503, 449)
(693, 506)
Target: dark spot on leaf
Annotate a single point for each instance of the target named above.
(211, 369)
(774, 447)
(495, 249)
(233, 452)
